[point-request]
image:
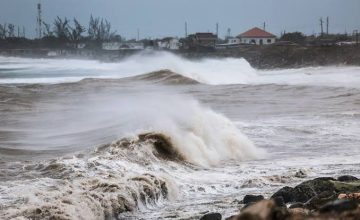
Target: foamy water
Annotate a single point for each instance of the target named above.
(158, 146)
(214, 71)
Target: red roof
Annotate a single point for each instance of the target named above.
(256, 32)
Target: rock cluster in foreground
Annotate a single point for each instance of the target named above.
(320, 198)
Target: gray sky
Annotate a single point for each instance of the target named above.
(159, 18)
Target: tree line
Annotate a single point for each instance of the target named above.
(67, 32)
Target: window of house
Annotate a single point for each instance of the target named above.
(269, 41)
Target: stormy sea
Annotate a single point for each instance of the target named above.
(158, 136)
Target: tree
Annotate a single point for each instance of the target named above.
(100, 29)
(61, 29)
(11, 30)
(76, 32)
(47, 30)
(3, 31)
(296, 37)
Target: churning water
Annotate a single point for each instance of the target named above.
(158, 136)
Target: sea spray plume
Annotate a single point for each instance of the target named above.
(127, 174)
(81, 121)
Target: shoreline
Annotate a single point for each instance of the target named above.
(317, 199)
(260, 57)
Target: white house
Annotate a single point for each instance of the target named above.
(111, 45)
(257, 36)
(123, 46)
(169, 43)
(232, 42)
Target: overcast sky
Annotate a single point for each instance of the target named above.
(159, 18)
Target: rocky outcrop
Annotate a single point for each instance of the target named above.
(309, 189)
(317, 199)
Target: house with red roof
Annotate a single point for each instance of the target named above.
(257, 36)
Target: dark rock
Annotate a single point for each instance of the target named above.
(297, 205)
(211, 216)
(321, 199)
(279, 201)
(264, 209)
(347, 178)
(287, 193)
(247, 205)
(306, 190)
(339, 206)
(300, 174)
(252, 198)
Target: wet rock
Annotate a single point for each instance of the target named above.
(347, 178)
(300, 174)
(297, 205)
(339, 206)
(298, 213)
(263, 210)
(252, 198)
(347, 187)
(279, 201)
(308, 189)
(350, 196)
(287, 193)
(321, 199)
(211, 216)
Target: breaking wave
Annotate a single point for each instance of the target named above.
(149, 65)
(163, 133)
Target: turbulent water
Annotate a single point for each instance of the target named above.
(157, 136)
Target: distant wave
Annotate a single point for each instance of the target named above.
(165, 77)
(213, 71)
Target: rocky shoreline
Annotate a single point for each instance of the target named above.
(319, 198)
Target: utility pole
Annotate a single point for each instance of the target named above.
(228, 33)
(264, 26)
(186, 30)
(23, 32)
(18, 32)
(217, 30)
(138, 34)
(356, 34)
(321, 26)
(327, 25)
(39, 21)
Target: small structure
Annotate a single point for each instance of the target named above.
(232, 42)
(201, 41)
(111, 45)
(257, 36)
(169, 43)
(122, 46)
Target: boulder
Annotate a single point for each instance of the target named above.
(339, 206)
(308, 189)
(350, 196)
(279, 201)
(347, 178)
(297, 205)
(262, 210)
(287, 193)
(211, 216)
(321, 199)
(298, 213)
(252, 198)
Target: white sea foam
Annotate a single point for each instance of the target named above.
(208, 70)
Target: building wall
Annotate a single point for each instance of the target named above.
(257, 41)
(234, 41)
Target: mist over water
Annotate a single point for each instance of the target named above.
(157, 135)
